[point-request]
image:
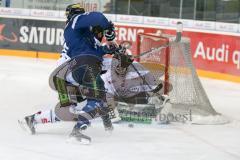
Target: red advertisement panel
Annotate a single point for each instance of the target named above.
(211, 52)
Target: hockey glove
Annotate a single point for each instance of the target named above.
(110, 32)
(110, 49)
(110, 35)
(121, 49)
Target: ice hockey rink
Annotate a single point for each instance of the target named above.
(24, 90)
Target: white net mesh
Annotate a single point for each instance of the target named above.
(175, 61)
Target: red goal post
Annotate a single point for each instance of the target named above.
(146, 42)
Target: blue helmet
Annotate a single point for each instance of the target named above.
(73, 9)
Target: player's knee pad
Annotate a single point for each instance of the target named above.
(97, 108)
(64, 113)
(76, 113)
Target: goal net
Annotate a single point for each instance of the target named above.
(181, 82)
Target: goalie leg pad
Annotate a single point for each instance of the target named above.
(64, 114)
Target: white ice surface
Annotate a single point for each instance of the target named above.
(24, 90)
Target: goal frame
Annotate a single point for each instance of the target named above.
(165, 42)
(169, 56)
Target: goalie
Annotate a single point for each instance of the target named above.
(130, 83)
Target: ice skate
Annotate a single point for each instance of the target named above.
(106, 118)
(107, 122)
(79, 136)
(116, 118)
(29, 123)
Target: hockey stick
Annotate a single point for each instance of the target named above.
(143, 78)
(178, 38)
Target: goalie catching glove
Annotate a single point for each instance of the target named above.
(112, 48)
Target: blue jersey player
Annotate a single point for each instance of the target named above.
(82, 57)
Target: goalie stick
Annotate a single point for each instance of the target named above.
(155, 90)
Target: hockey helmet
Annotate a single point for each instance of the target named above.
(97, 32)
(74, 9)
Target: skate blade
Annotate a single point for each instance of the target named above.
(163, 122)
(24, 127)
(74, 140)
(108, 133)
(116, 120)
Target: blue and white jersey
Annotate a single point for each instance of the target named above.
(78, 36)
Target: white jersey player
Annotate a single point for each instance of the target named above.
(130, 84)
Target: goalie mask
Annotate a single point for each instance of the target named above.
(124, 61)
(73, 9)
